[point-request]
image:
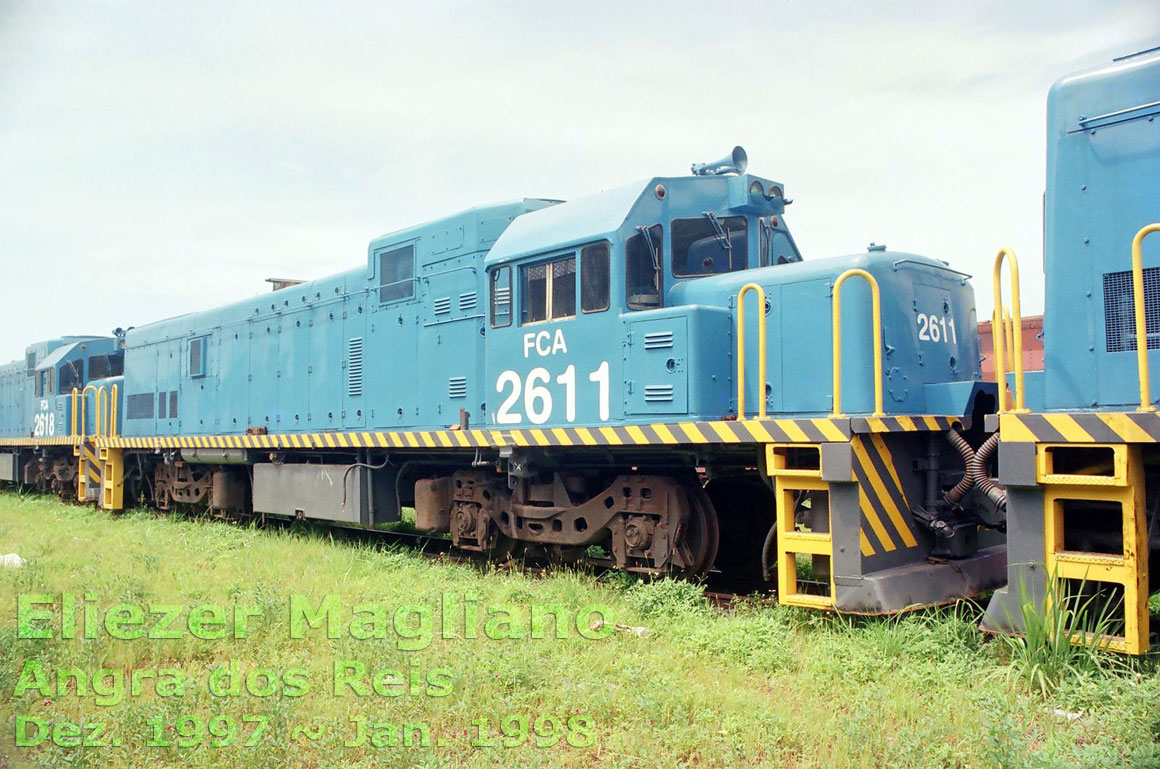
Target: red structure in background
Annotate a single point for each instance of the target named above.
(1032, 346)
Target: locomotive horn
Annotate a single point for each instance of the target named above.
(733, 163)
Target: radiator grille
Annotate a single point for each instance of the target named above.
(442, 305)
(1120, 305)
(139, 406)
(658, 393)
(467, 301)
(457, 387)
(354, 367)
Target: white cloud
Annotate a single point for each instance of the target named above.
(157, 159)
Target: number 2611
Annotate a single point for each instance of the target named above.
(936, 328)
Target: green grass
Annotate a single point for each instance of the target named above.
(679, 684)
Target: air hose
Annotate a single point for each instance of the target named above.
(955, 495)
(990, 488)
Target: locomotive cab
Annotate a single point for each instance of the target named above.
(572, 285)
(75, 377)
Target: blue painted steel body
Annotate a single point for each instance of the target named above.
(36, 393)
(406, 344)
(329, 354)
(1102, 165)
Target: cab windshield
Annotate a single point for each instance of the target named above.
(709, 245)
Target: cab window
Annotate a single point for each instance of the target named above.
(642, 264)
(777, 247)
(548, 290)
(105, 366)
(44, 383)
(594, 278)
(72, 374)
(709, 245)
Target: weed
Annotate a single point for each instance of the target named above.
(1065, 635)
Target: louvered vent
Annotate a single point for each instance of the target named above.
(658, 340)
(457, 387)
(442, 305)
(658, 393)
(1120, 306)
(467, 301)
(354, 367)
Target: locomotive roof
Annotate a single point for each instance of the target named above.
(582, 219)
(60, 353)
(598, 216)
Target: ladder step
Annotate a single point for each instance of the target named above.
(808, 601)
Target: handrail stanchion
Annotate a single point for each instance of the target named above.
(113, 413)
(741, 349)
(997, 332)
(1141, 320)
(876, 312)
(73, 431)
(84, 409)
(102, 410)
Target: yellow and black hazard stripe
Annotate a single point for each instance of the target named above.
(68, 440)
(749, 431)
(885, 510)
(746, 431)
(904, 424)
(1087, 427)
(90, 465)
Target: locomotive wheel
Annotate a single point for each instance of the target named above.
(700, 535)
(746, 509)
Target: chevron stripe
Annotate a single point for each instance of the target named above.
(1082, 427)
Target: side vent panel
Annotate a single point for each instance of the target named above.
(354, 367)
(658, 340)
(442, 305)
(467, 301)
(658, 393)
(457, 387)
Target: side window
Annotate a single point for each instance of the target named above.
(594, 278)
(197, 350)
(105, 366)
(72, 374)
(44, 384)
(501, 297)
(642, 265)
(396, 274)
(777, 247)
(548, 290)
(98, 367)
(708, 245)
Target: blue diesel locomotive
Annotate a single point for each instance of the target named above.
(650, 378)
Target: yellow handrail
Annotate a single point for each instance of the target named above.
(1141, 324)
(84, 407)
(113, 410)
(998, 330)
(102, 411)
(74, 412)
(741, 349)
(876, 311)
(1008, 336)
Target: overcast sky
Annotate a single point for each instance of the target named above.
(158, 158)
